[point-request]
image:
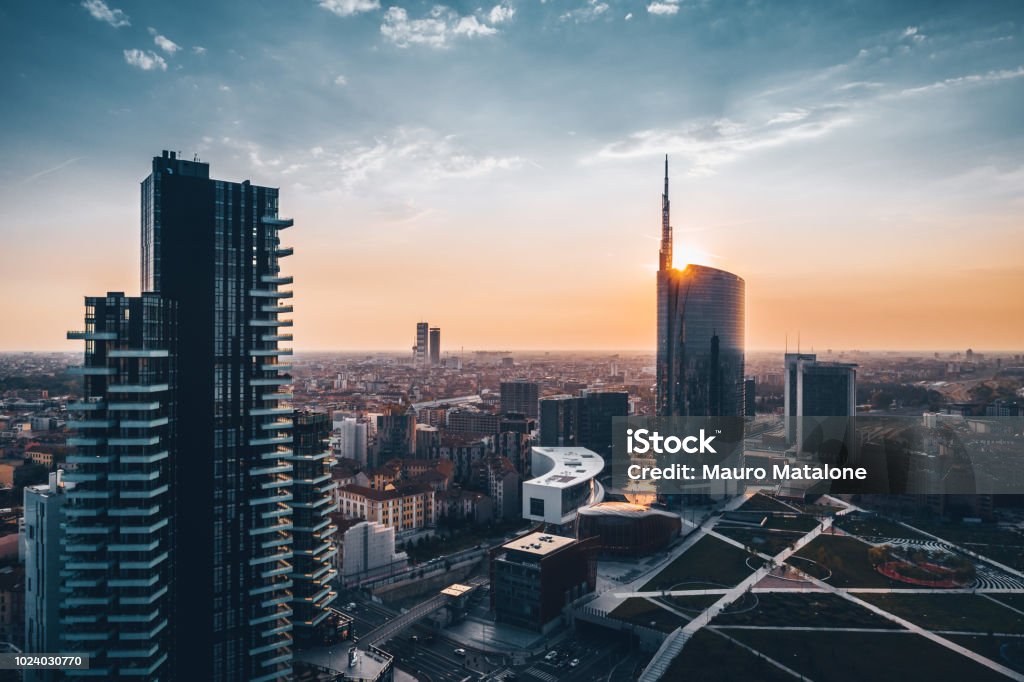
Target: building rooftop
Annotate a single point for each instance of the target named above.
(457, 590)
(568, 466)
(539, 544)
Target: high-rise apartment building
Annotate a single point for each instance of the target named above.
(700, 354)
(520, 396)
(119, 577)
(179, 551)
(313, 535)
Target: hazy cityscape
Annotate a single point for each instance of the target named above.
(583, 341)
(444, 514)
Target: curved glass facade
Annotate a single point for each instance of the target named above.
(701, 341)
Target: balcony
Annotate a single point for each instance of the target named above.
(91, 336)
(93, 371)
(270, 352)
(279, 223)
(138, 353)
(276, 279)
(284, 252)
(267, 293)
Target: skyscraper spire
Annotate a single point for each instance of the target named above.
(665, 253)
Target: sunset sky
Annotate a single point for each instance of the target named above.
(496, 169)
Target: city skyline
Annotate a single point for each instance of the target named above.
(858, 168)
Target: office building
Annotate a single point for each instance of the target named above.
(179, 533)
(313, 535)
(626, 529)
(351, 439)
(564, 480)
(396, 436)
(42, 536)
(700, 352)
(435, 346)
(535, 576)
(368, 553)
(586, 420)
(816, 390)
(520, 396)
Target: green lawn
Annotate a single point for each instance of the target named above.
(765, 542)
(857, 656)
(710, 560)
(875, 526)
(641, 611)
(1015, 600)
(998, 543)
(949, 611)
(847, 558)
(693, 603)
(806, 610)
(708, 657)
(1008, 651)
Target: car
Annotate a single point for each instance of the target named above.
(574, 662)
(350, 606)
(414, 638)
(459, 652)
(551, 655)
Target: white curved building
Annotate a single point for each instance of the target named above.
(564, 480)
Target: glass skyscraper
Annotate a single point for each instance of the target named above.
(182, 500)
(700, 355)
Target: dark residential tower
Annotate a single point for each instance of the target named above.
(180, 550)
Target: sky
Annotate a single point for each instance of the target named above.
(496, 169)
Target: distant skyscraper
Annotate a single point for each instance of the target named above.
(179, 528)
(520, 396)
(420, 349)
(435, 346)
(700, 354)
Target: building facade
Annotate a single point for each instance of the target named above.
(701, 335)
(313, 534)
(520, 396)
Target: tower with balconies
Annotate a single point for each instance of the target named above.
(117, 574)
(210, 258)
(313, 534)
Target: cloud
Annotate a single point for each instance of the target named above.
(54, 169)
(914, 34)
(592, 10)
(500, 13)
(663, 8)
(972, 79)
(99, 10)
(163, 42)
(857, 85)
(434, 30)
(340, 80)
(710, 143)
(629, 16)
(409, 158)
(147, 61)
(199, 49)
(346, 8)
